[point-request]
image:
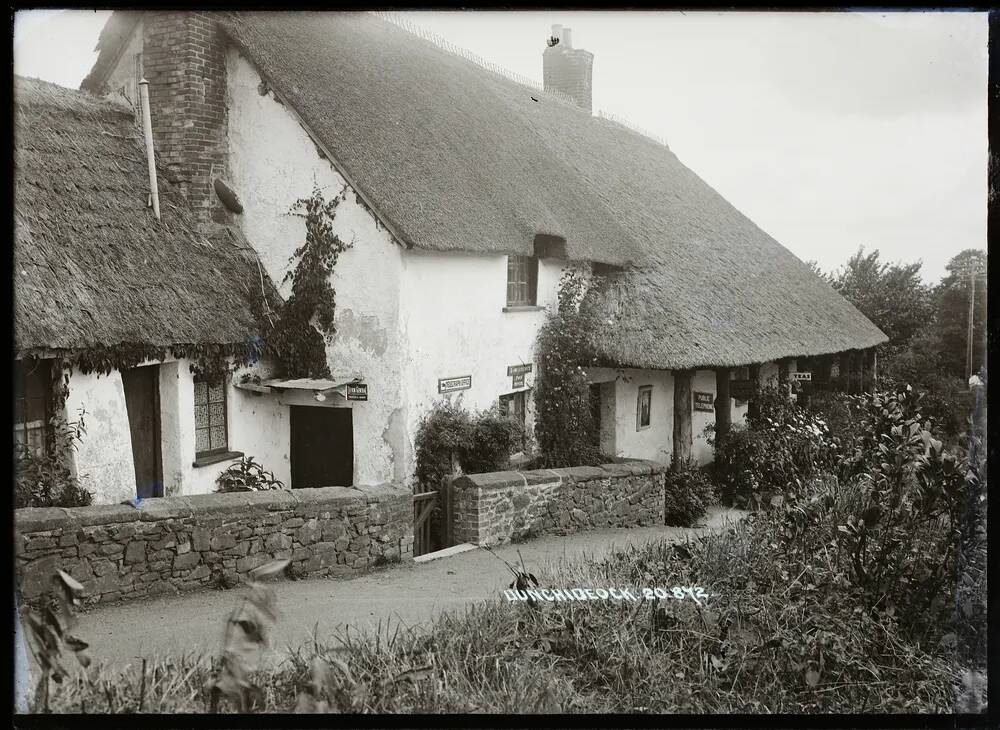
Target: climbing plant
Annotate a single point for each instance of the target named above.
(295, 331)
(564, 424)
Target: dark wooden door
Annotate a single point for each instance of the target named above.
(142, 401)
(322, 446)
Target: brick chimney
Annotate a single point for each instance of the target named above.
(567, 69)
(184, 61)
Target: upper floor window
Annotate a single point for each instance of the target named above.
(522, 280)
(32, 403)
(210, 433)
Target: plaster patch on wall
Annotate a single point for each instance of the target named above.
(364, 328)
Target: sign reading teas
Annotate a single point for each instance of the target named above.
(801, 375)
(449, 385)
(704, 401)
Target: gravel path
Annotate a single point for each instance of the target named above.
(409, 594)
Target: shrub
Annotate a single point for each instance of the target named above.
(482, 441)
(689, 492)
(47, 479)
(246, 475)
(780, 447)
(493, 439)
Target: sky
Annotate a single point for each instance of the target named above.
(829, 130)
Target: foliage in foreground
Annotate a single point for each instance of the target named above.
(47, 479)
(785, 629)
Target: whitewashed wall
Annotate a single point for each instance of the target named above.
(103, 458)
(273, 163)
(455, 323)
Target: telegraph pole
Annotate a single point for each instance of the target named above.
(973, 271)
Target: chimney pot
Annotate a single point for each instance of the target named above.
(557, 30)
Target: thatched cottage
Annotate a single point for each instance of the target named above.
(469, 194)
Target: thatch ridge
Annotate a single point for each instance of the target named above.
(92, 265)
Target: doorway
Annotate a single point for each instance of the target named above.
(322, 446)
(142, 402)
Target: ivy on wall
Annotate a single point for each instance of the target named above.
(293, 332)
(296, 331)
(564, 424)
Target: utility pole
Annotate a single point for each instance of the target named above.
(973, 271)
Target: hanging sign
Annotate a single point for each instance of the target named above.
(704, 401)
(518, 380)
(801, 375)
(518, 369)
(449, 385)
(357, 391)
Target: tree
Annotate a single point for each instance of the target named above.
(893, 296)
(952, 304)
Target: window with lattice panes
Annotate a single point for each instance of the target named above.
(210, 432)
(32, 404)
(522, 280)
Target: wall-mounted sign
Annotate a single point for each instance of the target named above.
(801, 375)
(740, 389)
(518, 380)
(518, 369)
(704, 401)
(449, 385)
(357, 391)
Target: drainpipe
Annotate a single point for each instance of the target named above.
(147, 129)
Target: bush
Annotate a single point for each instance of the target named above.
(493, 439)
(47, 479)
(780, 448)
(481, 442)
(246, 475)
(689, 492)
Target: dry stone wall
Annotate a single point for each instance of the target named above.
(503, 506)
(174, 544)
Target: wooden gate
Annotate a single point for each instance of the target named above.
(423, 505)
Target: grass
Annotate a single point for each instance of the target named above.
(750, 648)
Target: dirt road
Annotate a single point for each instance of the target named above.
(409, 594)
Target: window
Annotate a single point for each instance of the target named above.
(739, 375)
(32, 403)
(513, 405)
(210, 436)
(644, 407)
(522, 280)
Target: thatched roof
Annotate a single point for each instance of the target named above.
(456, 158)
(92, 266)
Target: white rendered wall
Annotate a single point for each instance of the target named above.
(273, 163)
(452, 313)
(103, 458)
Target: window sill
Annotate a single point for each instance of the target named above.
(216, 458)
(523, 308)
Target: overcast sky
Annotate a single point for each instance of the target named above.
(829, 130)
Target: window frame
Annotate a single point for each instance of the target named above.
(644, 390)
(25, 427)
(208, 403)
(522, 281)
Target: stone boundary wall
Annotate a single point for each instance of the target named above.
(503, 506)
(172, 544)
